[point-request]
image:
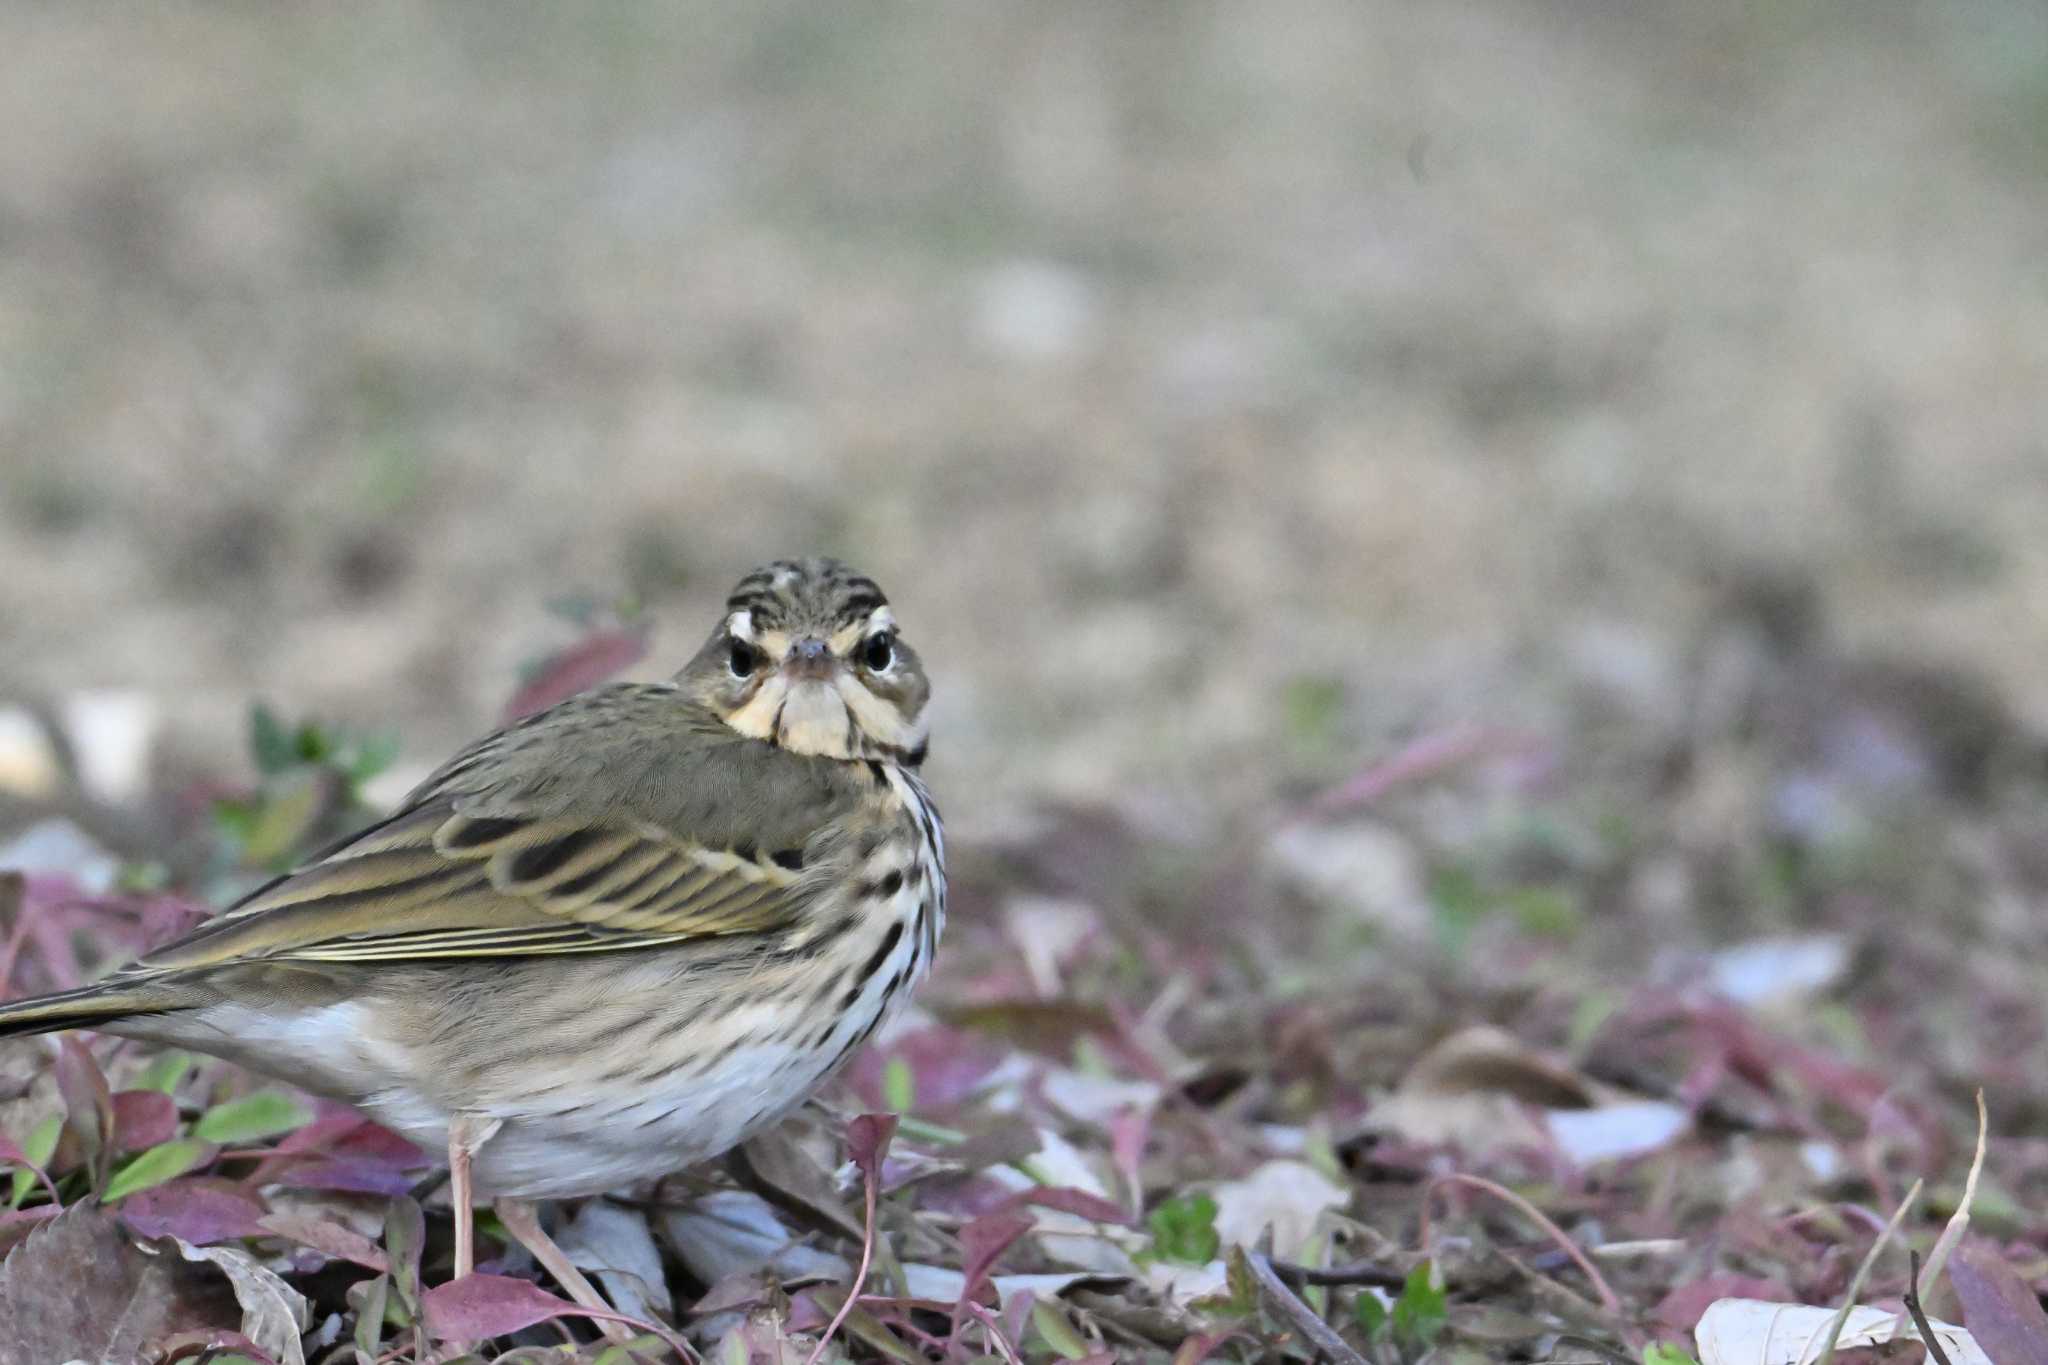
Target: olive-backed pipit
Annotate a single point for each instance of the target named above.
(612, 939)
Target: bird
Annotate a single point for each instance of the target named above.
(607, 941)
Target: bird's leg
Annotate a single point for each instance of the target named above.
(518, 1217)
(466, 1133)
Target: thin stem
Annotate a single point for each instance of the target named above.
(1609, 1300)
(860, 1275)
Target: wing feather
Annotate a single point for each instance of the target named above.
(435, 882)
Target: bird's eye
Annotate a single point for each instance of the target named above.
(878, 652)
(744, 658)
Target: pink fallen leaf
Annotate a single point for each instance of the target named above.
(477, 1307)
(16, 1224)
(348, 1175)
(328, 1237)
(142, 1119)
(1682, 1308)
(584, 664)
(80, 1289)
(2001, 1311)
(88, 1104)
(1080, 1203)
(1201, 1346)
(198, 1210)
(946, 1066)
(982, 1244)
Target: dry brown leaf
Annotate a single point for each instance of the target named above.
(80, 1289)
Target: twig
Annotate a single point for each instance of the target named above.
(1939, 1356)
(1350, 1273)
(1423, 757)
(1609, 1300)
(860, 1276)
(1300, 1314)
(1841, 1318)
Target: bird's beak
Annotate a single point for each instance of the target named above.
(809, 660)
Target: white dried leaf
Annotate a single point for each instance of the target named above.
(112, 733)
(943, 1284)
(1181, 1285)
(1755, 1332)
(1615, 1130)
(1095, 1099)
(729, 1232)
(613, 1243)
(1287, 1196)
(1778, 971)
(274, 1315)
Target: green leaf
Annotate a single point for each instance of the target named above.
(899, 1086)
(1240, 1298)
(1546, 911)
(315, 742)
(1370, 1310)
(269, 741)
(266, 1113)
(1059, 1333)
(287, 815)
(649, 1347)
(165, 1071)
(1420, 1313)
(165, 1161)
(1460, 902)
(1184, 1229)
(41, 1145)
(368, 1297)
(373, 754)
(1664, 1353)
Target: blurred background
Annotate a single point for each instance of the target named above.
(1223, 392)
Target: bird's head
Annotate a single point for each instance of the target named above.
(808, 657)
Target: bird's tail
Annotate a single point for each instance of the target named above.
(87, 1007)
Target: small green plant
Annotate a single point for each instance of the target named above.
(1664, 1353)
(1417, 1318)
(310, 788)
(1184, 1230)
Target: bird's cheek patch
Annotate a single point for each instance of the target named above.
(756, 720)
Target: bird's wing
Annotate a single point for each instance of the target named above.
(436, 882)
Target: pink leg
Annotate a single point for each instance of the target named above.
(465, 1134)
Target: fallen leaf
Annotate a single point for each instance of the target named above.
(1287, 1196)
(1612, 1131)
(142, 1119)
(2003, 1313)
(1770, 972)
(733, 1232)
(198, 1211)
(982, 1244)
(613, 1242)
(481, 1306)
(1753, 1332)
(779, 1166)
(1483, 1091)
(274, 1315)
(325, 1236)
(580, 666)
(88, 1105)
(80, 1289)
